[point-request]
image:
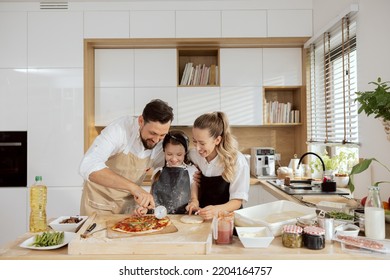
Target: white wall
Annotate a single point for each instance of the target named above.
(373, 61)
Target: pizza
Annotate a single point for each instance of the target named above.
(141, 224)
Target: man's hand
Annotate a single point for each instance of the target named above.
(144, 199)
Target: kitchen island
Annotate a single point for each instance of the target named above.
(235, 251)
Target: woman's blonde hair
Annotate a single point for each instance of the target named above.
(218, 125)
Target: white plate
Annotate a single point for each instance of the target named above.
(68, 236)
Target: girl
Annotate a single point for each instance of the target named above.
(224, 182)
(171, 184)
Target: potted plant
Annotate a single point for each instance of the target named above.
(377, 103)
(339, 164)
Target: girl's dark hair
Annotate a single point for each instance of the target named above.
(177, 137)
(157, 111)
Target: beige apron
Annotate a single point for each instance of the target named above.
(103, 200)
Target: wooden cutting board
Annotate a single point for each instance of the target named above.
(180, 238)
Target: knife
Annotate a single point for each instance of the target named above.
(88, 230)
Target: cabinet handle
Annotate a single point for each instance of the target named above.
(4, 144)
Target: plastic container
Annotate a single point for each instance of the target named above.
(292, 236)
(314, 238)
(38, 200)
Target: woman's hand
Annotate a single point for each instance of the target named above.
(140, 211)
(208, 212)
(192, 206)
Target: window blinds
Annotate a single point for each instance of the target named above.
(331, 107)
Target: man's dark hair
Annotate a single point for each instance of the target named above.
(157, 111)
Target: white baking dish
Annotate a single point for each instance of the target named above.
(273, 215)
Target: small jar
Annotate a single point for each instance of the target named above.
(314, 237)
(292, 236)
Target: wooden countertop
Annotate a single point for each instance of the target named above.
(235, 251)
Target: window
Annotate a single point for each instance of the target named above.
(332, 80)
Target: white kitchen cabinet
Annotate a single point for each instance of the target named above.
(258, 195)
(282, 66)
(55, 126)
(113, 103)
(253, 196)
(63, 201)
(241, 66)
(13, 100)
(155, 67)
(194, 101)
(114, 68)
(152, 24)
(13, 46)
(290, 23)
(106, 24)
(248, 111)
(198, 24)
(55, 39)
(144, 95)
(13, 214)
(244, 23)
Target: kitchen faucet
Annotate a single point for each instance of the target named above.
(311, 153)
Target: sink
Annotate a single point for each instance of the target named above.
(303, 187)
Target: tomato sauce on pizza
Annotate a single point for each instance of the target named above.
(141, 224)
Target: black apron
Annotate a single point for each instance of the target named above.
(172, 189)
(213, 191)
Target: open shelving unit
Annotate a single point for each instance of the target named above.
(204, 62)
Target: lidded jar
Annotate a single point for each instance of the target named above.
(314, 237)
(292, 236)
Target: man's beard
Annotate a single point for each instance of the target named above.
(148, 144)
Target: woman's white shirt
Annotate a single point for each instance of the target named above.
(239, 187)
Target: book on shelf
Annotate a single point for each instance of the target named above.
(276, 112)
(199, 74)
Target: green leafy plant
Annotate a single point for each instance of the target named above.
(362, 166)
(376, 102)
(339, 163)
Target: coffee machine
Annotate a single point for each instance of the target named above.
(263, 162)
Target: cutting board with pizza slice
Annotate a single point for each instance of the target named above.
(175, 238)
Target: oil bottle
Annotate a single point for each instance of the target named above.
(38, 200)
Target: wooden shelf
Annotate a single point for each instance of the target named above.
(201, 60)
(282, 95)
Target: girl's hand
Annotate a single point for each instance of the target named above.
(192, 206)
(140, 211)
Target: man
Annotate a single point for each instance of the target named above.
(115, 165)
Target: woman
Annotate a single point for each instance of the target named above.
(224, 182)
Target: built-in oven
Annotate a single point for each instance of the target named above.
(13, 158)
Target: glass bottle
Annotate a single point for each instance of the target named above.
(374, 215)
(38, 200)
